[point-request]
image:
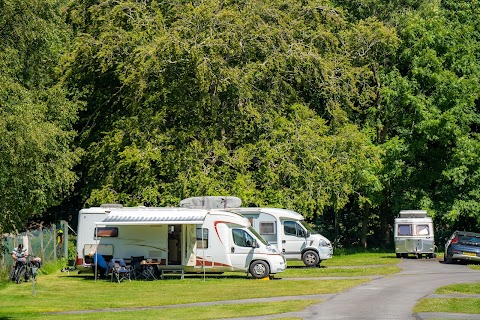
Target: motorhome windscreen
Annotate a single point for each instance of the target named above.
(404, 230)
(259, 237)
(307, 226)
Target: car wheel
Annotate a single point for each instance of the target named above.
(311, 258)
(447, 259)
(259, 269)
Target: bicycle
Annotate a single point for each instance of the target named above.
(19, 271)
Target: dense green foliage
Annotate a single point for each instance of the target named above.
(36, 138)
(345, 111)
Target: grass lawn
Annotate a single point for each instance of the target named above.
(357, 259)
(454, 305)
(338, 272)
(60, 292)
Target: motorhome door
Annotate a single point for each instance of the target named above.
(174, 244)
(241, 250)
(294, 239)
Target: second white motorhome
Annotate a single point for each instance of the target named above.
(289, 232)
(192, 240)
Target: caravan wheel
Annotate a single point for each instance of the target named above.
(259, 269)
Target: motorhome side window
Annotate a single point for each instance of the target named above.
(292, 228)
(267, 227)
(422, 230)
(241, 238)
(405, 230)
(202, 240)
(106, 232)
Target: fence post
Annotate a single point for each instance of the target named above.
(41, 254)
(54, 230)
(64, 225)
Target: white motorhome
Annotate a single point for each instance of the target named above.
(289, 232)
(285, 229)
(192, 240)
(413, 233)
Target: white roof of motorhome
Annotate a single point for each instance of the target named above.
(153, 216)
(277, 212)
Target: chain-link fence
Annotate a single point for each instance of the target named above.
(47, 243)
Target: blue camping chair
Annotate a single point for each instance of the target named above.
(119, 269)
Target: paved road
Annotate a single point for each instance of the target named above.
(391, 297)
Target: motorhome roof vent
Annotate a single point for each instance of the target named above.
(413, 214)
(111, 205)
(211, 202)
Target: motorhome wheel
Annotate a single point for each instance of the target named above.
(310, 258)
(259, 269)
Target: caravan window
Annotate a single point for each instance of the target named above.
(292, 228)
(106, 232)
(267, 227)
(202, 240)
(242, 238)
(422, 230)
(404, 229)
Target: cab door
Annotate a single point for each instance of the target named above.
(294, 239)
(241, 250)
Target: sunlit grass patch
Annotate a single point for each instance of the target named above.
(184, 313)
(339, 272)
(453, 305)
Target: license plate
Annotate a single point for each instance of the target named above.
(471, 254)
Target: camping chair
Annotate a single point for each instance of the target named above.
(137, 268)
(119, 270)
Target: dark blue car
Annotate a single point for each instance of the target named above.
(462, 245)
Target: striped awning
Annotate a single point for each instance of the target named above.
(154, 217)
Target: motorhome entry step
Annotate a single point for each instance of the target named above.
(171, 271)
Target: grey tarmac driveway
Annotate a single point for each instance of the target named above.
(391, 297)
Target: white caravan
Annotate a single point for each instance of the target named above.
(413, 232)
(289, 232)
(192, 240)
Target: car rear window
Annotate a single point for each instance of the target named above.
(469, 239)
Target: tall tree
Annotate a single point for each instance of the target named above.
(36, 116)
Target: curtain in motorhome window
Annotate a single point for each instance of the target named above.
(404, 229)
(422, 230)
(241, 238)
(201, 244)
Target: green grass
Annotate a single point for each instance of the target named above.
(184, 313)
(454, 305)
(339, 272)
(357, 259)
(60, 292)
(465, 288)
(57, 292)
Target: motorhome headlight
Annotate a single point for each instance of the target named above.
(272, 249)
(324, 243)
